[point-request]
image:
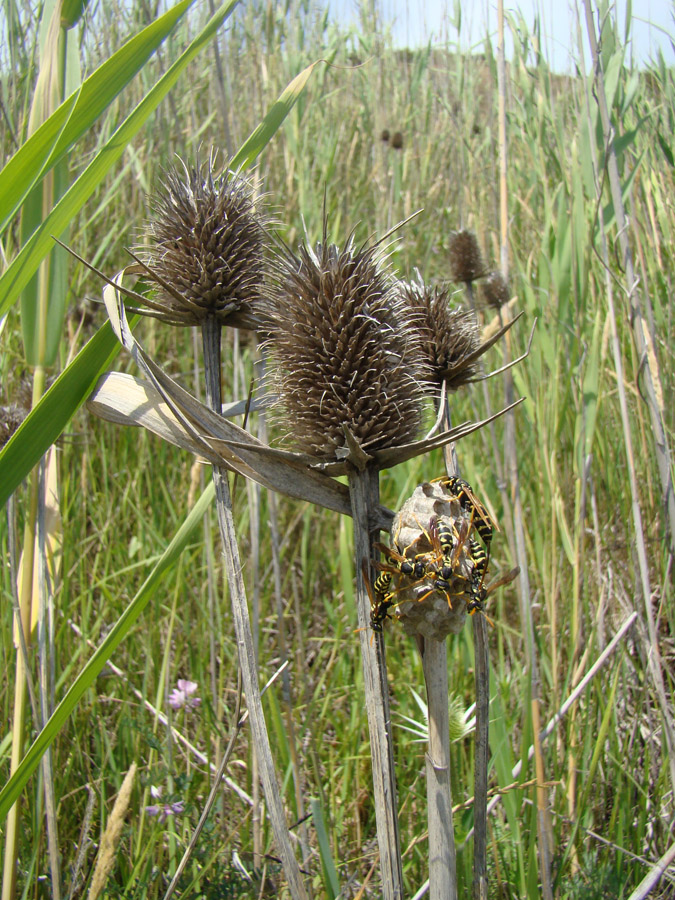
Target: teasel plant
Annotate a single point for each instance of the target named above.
(452, 346)
(351, 381)
(351, 374)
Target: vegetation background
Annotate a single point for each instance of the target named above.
(124, 494)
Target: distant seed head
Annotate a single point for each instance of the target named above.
(449, 336)
(10, 419)
(384, 136)
(495, 290)
(207, 241)
(397, 140)
(343, 348)
(466, 260)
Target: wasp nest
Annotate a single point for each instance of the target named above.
(434, 528)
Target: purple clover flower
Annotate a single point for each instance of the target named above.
(164, 810)
(181, 696)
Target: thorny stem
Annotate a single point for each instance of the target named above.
(482, 679)
(363, 490)
(242, 626)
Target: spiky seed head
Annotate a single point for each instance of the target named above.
(207, 241)
(449, 336)
(466, 260)
(344, 349)
(495, 290)
(397, 140)
(10, 419)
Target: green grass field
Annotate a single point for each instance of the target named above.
(594, 527)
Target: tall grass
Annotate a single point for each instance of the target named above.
(124, 494)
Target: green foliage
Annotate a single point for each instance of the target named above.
(125, 496)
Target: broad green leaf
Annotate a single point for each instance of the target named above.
(12, 789)
(262, 135)
(78, 112)
(21, 270)
(51, 415)
(331, 880)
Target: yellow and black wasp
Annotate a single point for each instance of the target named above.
(380, 592)
(482, 521)
(480, 593)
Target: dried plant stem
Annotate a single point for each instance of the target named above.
(481, 757)
(482, 677)
(543, 824)
(654, 876)
(363, 491)
(211, 333)
(22, 673)
(442, 857)
(442, 854)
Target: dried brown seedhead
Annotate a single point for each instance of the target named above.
(207, 238)
(344, 349)
(449, 336)
(495, 290)
(466, 260)
(10, 419)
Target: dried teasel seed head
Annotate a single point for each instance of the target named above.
(449, 336)
(10, 419)
(466, 260)
(495, 290)
(344, 349)
(207, 241)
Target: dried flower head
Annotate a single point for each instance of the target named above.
(384, 136)
(10, 419)
(495, 290)
(449, 336)
(207, 240)
(397, 140)
(344, 348)
(466, 260)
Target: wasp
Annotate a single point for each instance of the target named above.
(411, 568)
(481, 593)
(463, 492)
(381, 599)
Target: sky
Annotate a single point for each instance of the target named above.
(414, 22)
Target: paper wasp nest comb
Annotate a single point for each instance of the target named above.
(434, 527)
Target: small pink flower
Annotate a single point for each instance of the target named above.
(181, 696)
(164, 810)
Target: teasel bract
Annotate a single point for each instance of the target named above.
(449, 335)
(205, 254)
(345, 349)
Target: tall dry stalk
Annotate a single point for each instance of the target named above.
(511, 466)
